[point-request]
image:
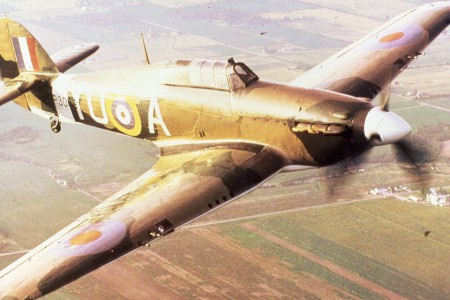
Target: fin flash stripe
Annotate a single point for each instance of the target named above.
(25, 48)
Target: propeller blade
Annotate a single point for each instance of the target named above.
(340, 173)
(414, 156)
(413, 153)
(385, 97)
(334, 177)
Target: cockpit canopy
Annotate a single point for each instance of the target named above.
(209, 74)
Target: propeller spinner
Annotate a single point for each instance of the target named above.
(384, 127)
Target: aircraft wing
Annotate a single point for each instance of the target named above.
(67, 58)
(179, 187)
(367, 66)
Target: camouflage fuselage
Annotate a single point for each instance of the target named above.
(162, 103)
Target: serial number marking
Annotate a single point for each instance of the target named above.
(61, 100)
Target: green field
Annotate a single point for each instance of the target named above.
(381, 240)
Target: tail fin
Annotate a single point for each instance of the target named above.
(23, 64)
(20, 51)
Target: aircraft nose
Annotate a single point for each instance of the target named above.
(384, 127)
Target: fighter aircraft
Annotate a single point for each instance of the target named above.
(221, 130)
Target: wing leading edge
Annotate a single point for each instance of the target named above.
(67, 58)
(367, 66)
(178, 188)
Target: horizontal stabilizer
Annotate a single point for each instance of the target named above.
(14, 88)
(67, 58)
